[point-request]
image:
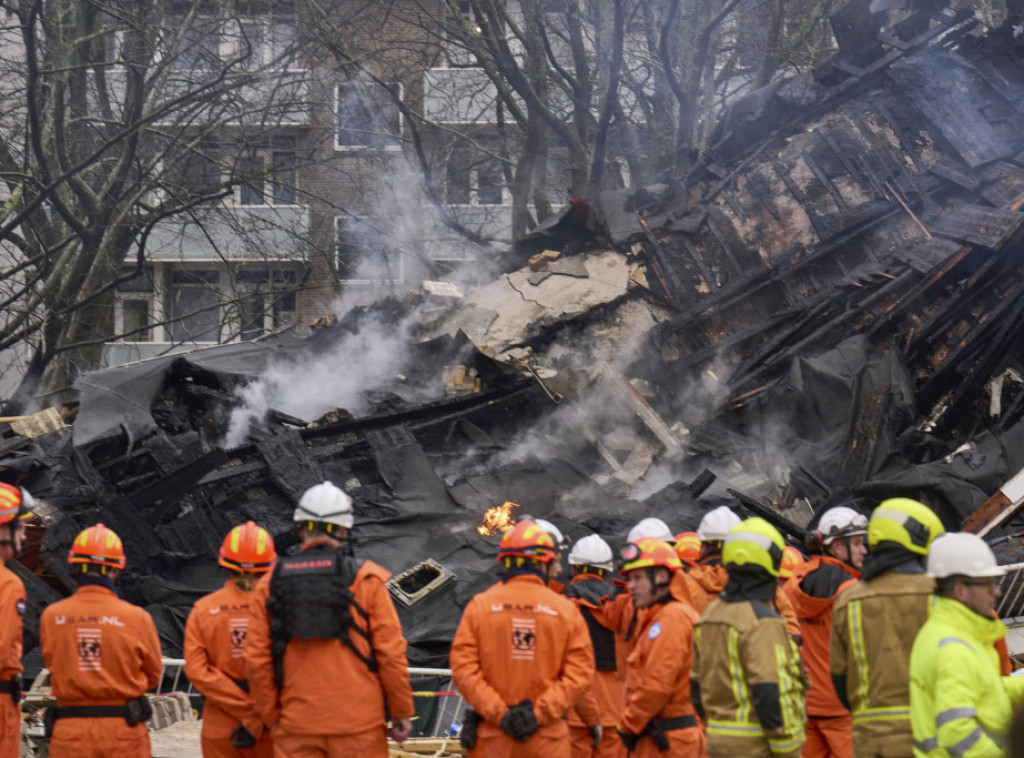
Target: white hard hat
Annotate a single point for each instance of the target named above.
(553, 530)
(964, 554)
(327, 503)
(651, 527)
(591, 551)
(841, 522)
(717, 523)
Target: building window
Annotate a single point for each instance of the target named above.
(266, 301)
(265, 43)
(368, 116)
(195, 306)
(133, 316)
(365, 251)
(198, 171)
(474, 178)
(199, 46)
(136, 321)
(254, 177)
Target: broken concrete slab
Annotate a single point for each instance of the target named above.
(524, 311)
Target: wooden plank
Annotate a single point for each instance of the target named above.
(987, 227)
(998, 508)
(1004, 184)
(948, 97)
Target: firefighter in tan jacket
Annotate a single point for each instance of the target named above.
(874, 624)
(747, 679)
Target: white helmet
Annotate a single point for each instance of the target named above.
(651, 527)
(591, 551)
(841, 522)
(717, 523)
(551, 529)
(326, 503)
(962, 553)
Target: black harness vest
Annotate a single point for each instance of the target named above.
(311, 598)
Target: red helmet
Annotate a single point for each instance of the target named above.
(99, 546)
(15, 503)
(791, 561)
(688, 548)
(527, 540)
(649, 552)
(248, 548)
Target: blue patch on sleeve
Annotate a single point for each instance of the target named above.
(20, 606)
(654, 631)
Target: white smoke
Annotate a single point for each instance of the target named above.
(364, 360)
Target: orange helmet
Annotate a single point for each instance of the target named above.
(688, 548)
(15, 503)
(99, 546)
(248, 548)
(649, 552)
(527, 540)
(791, 560)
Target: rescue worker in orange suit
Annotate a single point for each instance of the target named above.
(215, 647)
(813, 590)
(874, 625)
(707, 578)
(15, 507)
(658, 717)
(592, 720)
(323, 626)
(521, 656)
(102, 654)
(747, 679)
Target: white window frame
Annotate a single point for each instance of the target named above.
(394, 146)
(474, 187)
(269, 201)
(234, 325)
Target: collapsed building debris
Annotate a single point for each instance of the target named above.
(822, 309)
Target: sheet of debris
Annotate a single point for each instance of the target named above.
(829, 306)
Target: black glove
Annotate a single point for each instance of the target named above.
(242, 738)
(470, 724)
(629, 740)
(596, 732)
(519, 722)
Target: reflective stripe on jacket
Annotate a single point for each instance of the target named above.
(960, 704)
(749, 681)
(873, 629)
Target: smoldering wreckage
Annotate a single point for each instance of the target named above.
(830, 305)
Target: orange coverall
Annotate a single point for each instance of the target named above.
(658, 681)
(12, 608)
(705, 580)
(214, 664)
(520, 641)
(100, 650)
(331, 703)
(602, 703)
(829, 724)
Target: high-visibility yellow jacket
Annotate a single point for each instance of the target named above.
(960, 704)
(749, 681)
(873, 628)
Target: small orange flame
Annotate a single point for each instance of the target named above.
(498, 519)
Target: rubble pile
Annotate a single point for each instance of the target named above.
(830, 303)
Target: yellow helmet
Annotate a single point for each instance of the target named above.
(908, 523)
(754, 542)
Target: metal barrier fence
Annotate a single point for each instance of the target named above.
(450, 706)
